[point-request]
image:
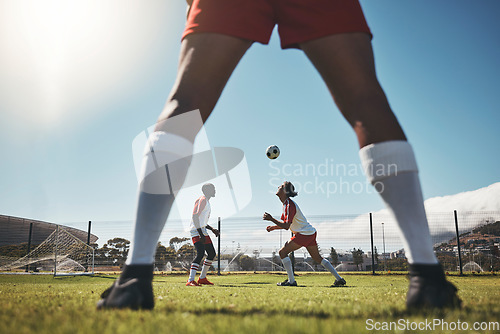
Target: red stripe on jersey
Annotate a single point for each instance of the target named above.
(290, 211)
(199, 205)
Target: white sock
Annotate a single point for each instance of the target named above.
(391, 167)
(287, 263)
(328, 266)
(152, 213)
(194, 269)
(166, 160)
(204, 269)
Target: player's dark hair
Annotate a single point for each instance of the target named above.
(206, 187)
(290, 189)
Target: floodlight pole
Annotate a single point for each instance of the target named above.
(373, 252)
(218, 247)
(93, 263)
(458, 244)
(29, 246)
(55, 251)
(88, 233)
(88, 244)
(383, 239)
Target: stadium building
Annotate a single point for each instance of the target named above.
(15, 231)
(38, 246)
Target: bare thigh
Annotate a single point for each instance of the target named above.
(314, 252)
(289, 247)
(206, 63)
(346, 64)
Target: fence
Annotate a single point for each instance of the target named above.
(365, 242)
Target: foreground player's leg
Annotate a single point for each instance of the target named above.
(392, 168)
(346, 64)
(206, 265)
(207, 60)
(164, 167)
(206, 63)
(132, 290)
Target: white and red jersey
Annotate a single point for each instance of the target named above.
(202, 210)
(292, 214)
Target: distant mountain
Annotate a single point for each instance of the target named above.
(492, 229)
(475, 208)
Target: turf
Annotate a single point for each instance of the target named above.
(249, 303)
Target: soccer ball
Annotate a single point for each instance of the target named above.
(272, 152)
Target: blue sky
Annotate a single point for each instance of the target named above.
(80, 80)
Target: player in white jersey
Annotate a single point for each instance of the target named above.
(200, 237)
(304, 234)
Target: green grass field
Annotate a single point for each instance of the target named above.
(238, 303)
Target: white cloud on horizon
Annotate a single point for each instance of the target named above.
(474, 208)
(483, 199)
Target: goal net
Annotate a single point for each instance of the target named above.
(61, 253)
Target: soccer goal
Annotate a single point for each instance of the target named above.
(61, 253)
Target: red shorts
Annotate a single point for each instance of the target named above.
(207, 240)
(298, 20)
(305, 240)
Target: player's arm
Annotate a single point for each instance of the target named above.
(198, 209)
(196, 221)
(214, 230)
(280, 224)
(273, 227)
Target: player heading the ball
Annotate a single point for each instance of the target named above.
(304, 234)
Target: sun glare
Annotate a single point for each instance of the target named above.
(58, 53)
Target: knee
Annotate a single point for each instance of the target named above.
(198, 258)
(318, 259)
(211, 255)
(181, 103)
(283, 253)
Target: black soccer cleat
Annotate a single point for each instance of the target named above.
(286, 283)
(130, 292)
(339, 282)
(429, 289)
